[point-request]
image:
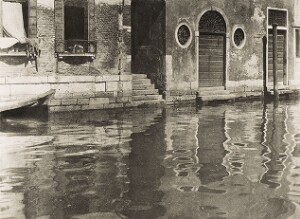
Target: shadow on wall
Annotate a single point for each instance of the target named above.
(107, 31)
(148, 39)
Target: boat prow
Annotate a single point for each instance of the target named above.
(12, 103)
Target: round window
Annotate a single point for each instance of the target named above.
(183, 35)
(239, 37)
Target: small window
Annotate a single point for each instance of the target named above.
(75, 29)
(278, 17)
(183, 35)
(239, 37)
(297, 38)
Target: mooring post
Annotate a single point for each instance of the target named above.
(264, 39)
(275, 87)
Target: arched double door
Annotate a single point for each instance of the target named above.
(212, 50)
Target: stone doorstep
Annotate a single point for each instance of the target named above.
(139, 76)
(141, 81)
(143, 87)
(146, 97)
(144, 92)
(216, 97)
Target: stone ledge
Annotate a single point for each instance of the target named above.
(26, 80)
(71, 79)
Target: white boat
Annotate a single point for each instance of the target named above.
(13, 102)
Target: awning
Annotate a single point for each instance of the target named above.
(6, 42)
(13, 24)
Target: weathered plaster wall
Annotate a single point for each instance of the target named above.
(244, 66)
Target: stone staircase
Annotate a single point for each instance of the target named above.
(214, 94)
(144, 92)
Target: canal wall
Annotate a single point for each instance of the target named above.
(73, 93)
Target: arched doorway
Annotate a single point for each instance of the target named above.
(212, 50)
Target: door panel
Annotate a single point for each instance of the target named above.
(211, 60)
(281, 56)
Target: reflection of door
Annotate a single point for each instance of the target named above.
(212, 50)
(281, 56)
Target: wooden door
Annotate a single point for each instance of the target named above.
(281, 56)
(212, 50)
(211, 60)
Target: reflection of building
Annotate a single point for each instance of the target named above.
(276, 147)
(211, 151)
(244, 144)
(233, 174)
(144, 173)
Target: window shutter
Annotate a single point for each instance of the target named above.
(92, 26)
(59, 26)
(32, 18)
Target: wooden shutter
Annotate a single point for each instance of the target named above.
(32, 18)
(92, 25)
(59, 25)
(281, 56)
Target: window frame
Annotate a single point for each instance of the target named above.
(60, 41)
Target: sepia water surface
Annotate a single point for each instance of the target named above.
(219, 162)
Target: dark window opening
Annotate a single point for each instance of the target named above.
(76, 30)
(239, 37)
(278, 17)
(74, 23)
(298, 43)
(183, 35)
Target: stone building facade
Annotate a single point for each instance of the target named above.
(84, 49)
(213, 44)
(83, 52)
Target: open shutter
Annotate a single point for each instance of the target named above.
(92, 26)
(59, 26)
(32, 18)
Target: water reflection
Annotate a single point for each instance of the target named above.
(235, 162)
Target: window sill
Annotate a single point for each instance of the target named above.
(61, 55)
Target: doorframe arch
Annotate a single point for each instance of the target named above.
(228, 36)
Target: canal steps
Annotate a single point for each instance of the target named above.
(144, 92)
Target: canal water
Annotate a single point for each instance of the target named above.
(238, 161)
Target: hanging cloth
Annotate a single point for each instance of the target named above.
(13, 24)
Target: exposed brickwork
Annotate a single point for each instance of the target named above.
(104, 28)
